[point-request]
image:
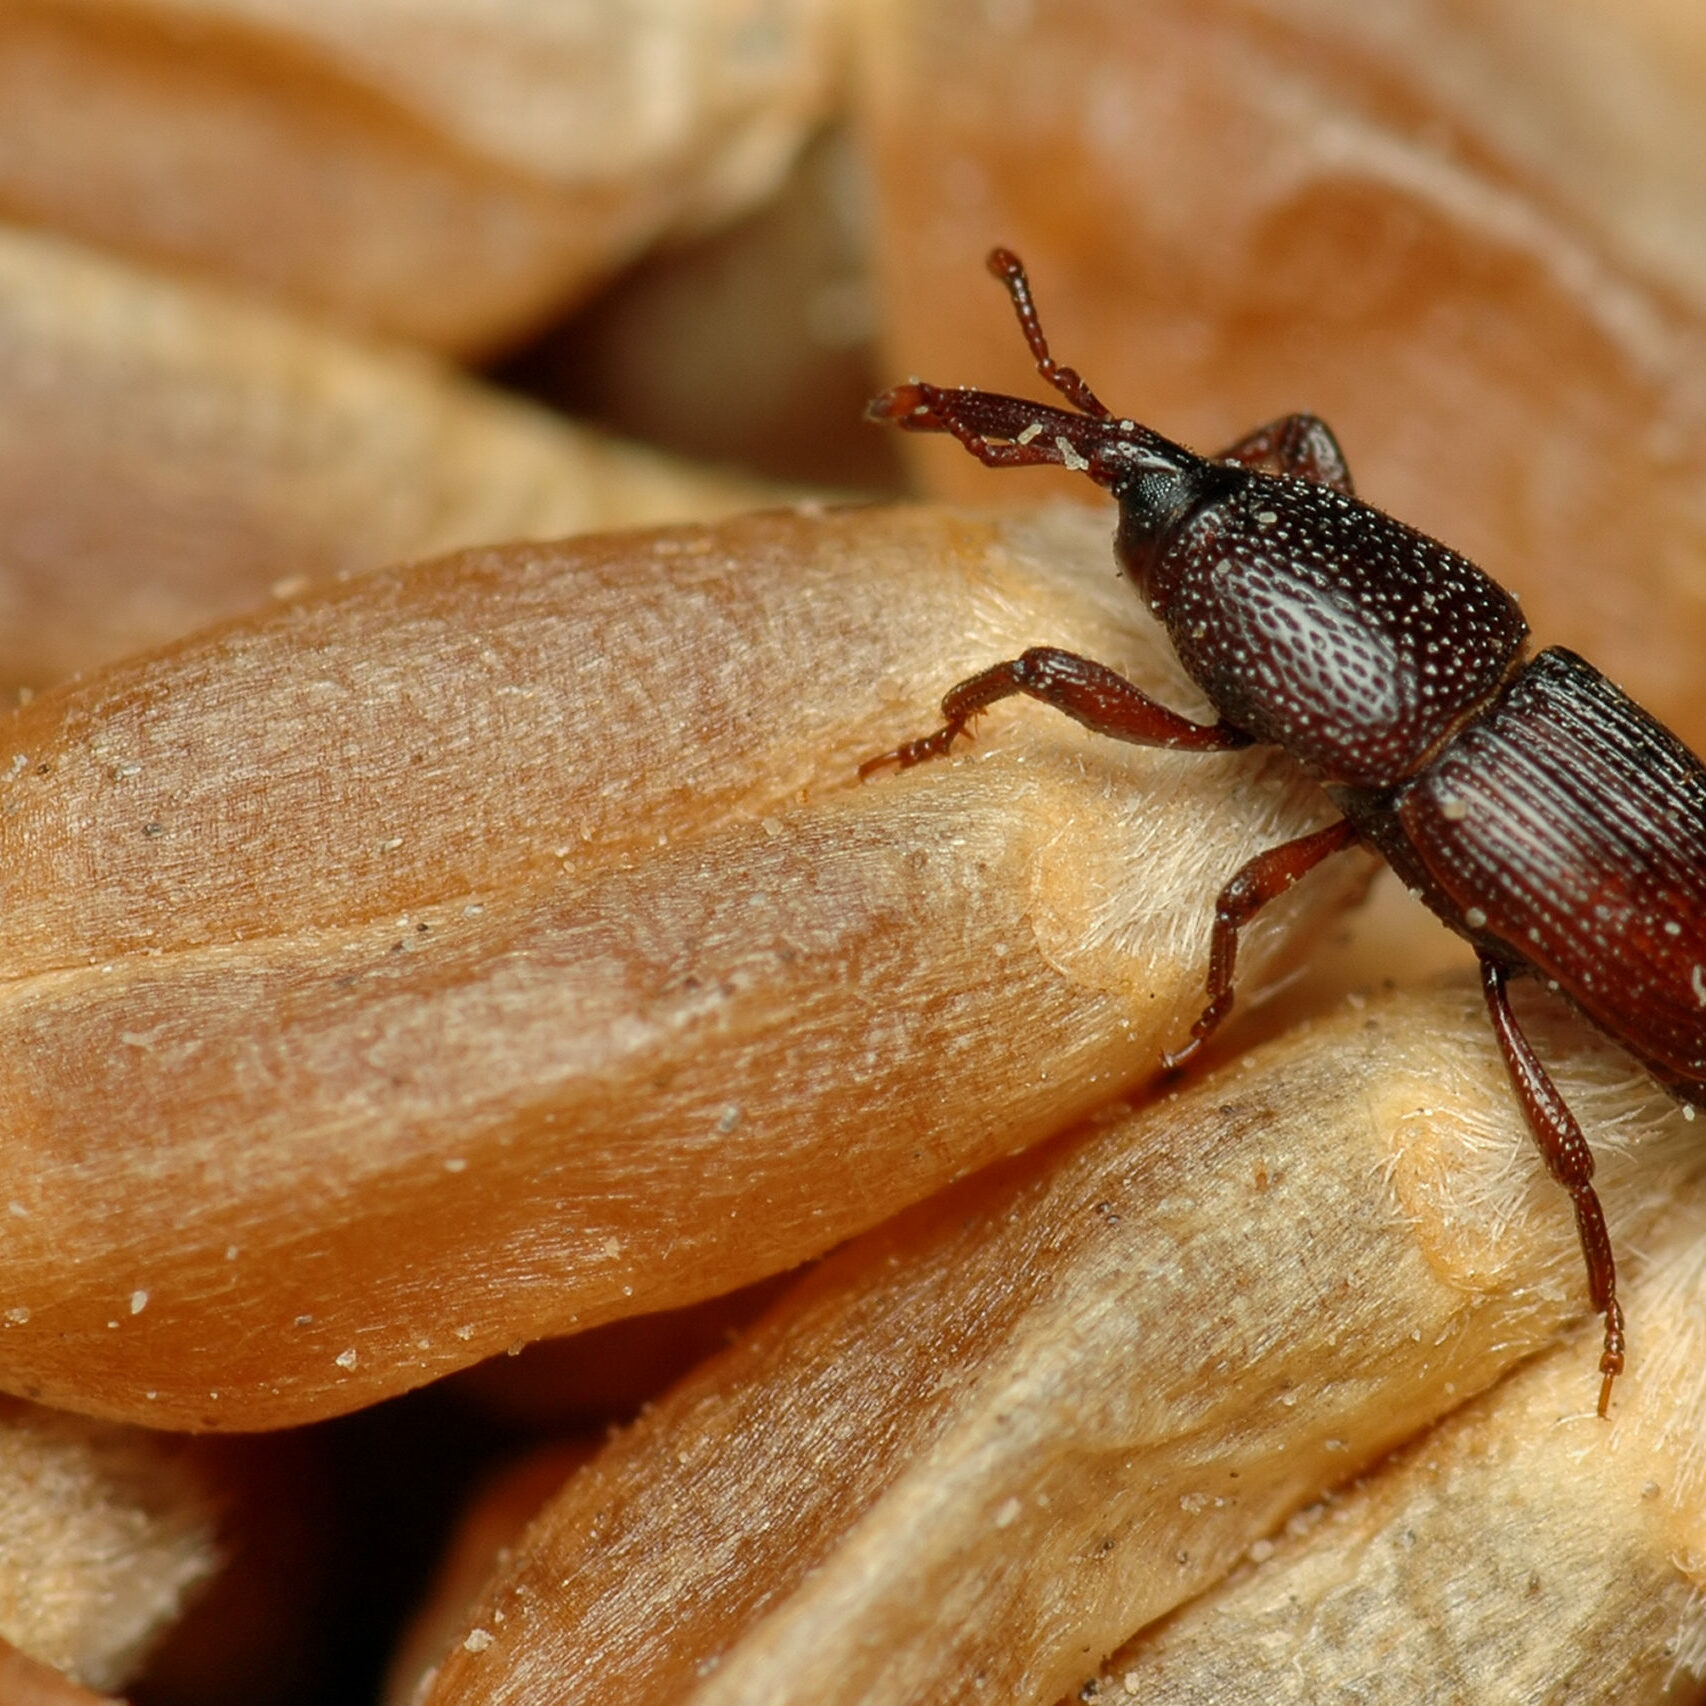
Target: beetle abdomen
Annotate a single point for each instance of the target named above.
(1568, 825)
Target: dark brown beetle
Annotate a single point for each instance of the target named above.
(1532, 805)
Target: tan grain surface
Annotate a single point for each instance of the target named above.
(491, 948)
(1054, 1403)
(171, 455)
(108, 1532)
(445, 171)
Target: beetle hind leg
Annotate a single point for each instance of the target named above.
(1568, 1159)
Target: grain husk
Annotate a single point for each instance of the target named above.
(171, 455)
(486, 949)
(443, 172)
(1048, 1407)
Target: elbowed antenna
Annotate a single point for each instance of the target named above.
(1066, 380)
(1012, 432)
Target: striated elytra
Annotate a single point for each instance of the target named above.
(1531, 804)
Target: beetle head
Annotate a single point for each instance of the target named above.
(1155, 480)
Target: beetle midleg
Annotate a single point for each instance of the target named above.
(1264, 878)
(1300, 445)
(1088, 692)
(1568, 1159)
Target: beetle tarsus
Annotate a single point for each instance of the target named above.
(1611, 1363)
(1259, 880)
(1175, 1060)
(1568, 1159)
(913, 752)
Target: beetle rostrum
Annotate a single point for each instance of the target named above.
(1532, 805)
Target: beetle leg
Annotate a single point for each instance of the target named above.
(1264, 878)
(1568, 1159)
(1088, 692)
(1300, 445)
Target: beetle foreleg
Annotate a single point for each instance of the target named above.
(1568, 1159)
(1088, 692)
(1264, 878)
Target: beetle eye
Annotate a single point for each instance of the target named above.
(1118, 463)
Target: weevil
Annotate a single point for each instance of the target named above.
(1529, 803)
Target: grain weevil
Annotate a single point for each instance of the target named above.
(1531, 804)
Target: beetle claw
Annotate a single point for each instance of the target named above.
(1172, 1060)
